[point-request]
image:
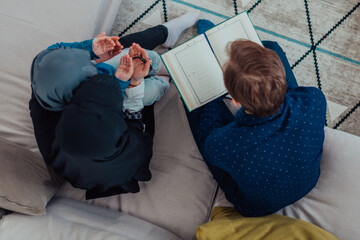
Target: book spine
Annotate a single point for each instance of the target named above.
(209, 43)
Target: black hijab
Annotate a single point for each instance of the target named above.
(94, 147)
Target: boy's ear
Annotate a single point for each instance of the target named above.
(235, 102)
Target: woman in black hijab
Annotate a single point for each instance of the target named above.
(88, 140)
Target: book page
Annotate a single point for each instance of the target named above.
(195, 71)
(223, 34)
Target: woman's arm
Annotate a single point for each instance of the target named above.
(86, 45)
(101, 48)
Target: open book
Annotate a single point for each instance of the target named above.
(196, 65)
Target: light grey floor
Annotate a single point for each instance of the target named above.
(338, 56)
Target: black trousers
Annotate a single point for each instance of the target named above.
(148, 39)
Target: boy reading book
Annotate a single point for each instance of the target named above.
(267, 156)
(196, 66)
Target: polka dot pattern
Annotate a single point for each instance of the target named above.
(274, 161)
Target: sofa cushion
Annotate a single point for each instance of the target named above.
(25, 183)
(180, 195)
(334, 203)
(227, 223)
(69, 219)
(28, 27)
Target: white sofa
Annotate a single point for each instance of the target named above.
(180, 195)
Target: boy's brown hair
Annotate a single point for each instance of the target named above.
(255, 78)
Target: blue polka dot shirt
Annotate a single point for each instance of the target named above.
(265, 164)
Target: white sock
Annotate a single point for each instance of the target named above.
(177, 25)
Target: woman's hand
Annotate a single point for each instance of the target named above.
(125, 69)
(141, 61)
(106, 47)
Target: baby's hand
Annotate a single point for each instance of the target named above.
(125, 69)
(141, 61)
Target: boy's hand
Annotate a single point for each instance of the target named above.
(139, 55)
(125, 69)
(106, 47)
